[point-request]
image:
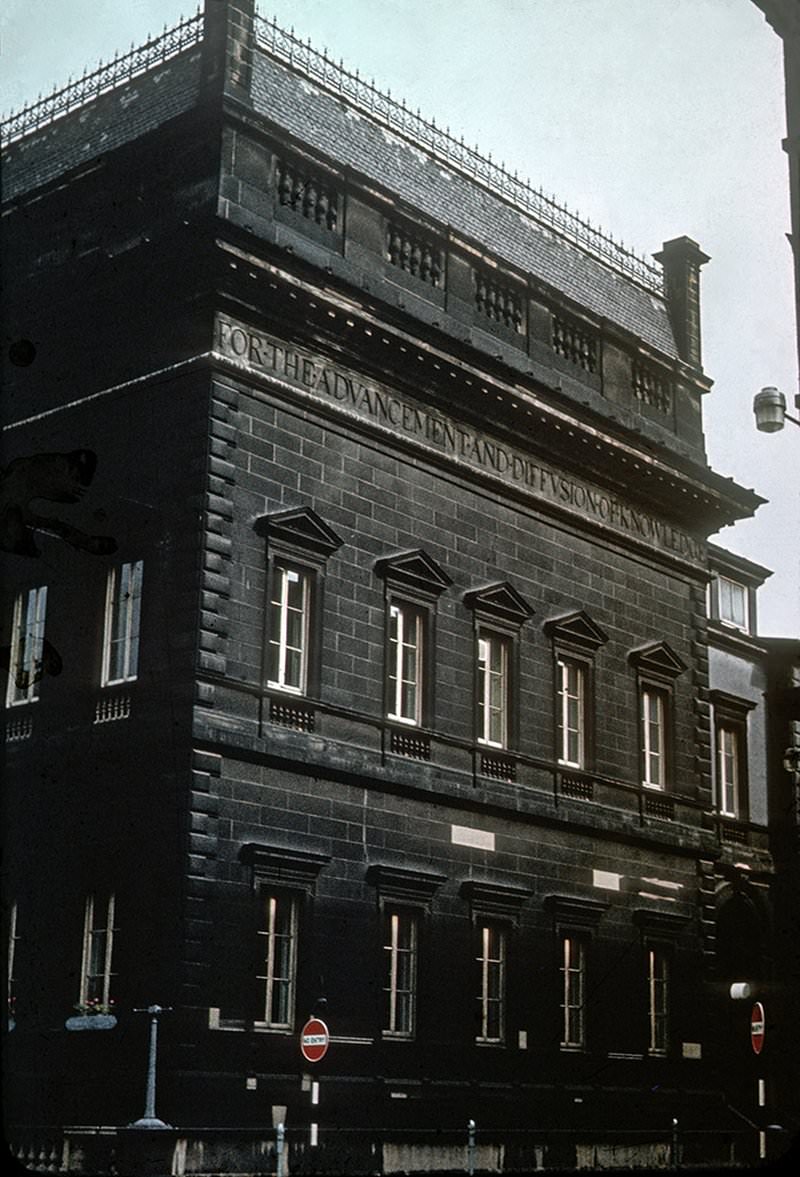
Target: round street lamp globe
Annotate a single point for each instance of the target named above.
(769, 407)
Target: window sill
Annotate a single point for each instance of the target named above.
(241, 1026)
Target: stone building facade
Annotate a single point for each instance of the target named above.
(366, 673)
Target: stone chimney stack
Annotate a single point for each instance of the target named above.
(682, 259)
(228, 36)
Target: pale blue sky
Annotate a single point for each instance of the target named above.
(654, 118)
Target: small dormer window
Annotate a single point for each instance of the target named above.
(733, 608)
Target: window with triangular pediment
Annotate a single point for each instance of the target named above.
(498, 612)
(299, 543)
(657, 667)
(576, 639)
(413, 583)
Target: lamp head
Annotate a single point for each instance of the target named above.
(769, 407)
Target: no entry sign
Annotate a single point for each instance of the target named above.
(757, 1027)
(314, 1040)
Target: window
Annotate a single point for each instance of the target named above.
(11, 981)
(279, 957)
(731, 792)
(27, 647)
(412, 584)
(406, 627)
(658, 666)
(654, 737)
(575, 921)
(491, 982)
(577, 640)
(733, 603)
(98, 947)
(492, 700)
(404, 897)
(728, 769)
(573, 993)
(400, 949)
(121, 640)
(499, 612)
(289, 628)
(299, 544)
(657, 981)
(571, 676)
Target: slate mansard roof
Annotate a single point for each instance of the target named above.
(332, 126)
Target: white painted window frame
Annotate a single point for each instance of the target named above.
(27, 638)
(573, 1010)
(725, 587)
(491, 958)
(564, 665)
(654, 751)
(407, 617)
(729, 770)
(282, 574)
(493, 649)
(274, 903)
(93, 911)
(396, 917)
(128, 602)
(657, 1000)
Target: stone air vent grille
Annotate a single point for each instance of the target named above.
(111, 707)
(19, 728)
(293, 715)
(662, 807)
(417, 747)
(498, 768)
(581, 788)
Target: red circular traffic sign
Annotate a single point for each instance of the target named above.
(314, 1040)
(757, 1027)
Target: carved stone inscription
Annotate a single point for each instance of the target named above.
(319, 378)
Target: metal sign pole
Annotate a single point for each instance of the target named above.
(471, 1147)
(150, 1119)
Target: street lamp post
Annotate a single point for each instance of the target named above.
(769, 407)
(150, 1119)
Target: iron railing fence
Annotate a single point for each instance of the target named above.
(398, 117)
(117, 72)
(393, 114)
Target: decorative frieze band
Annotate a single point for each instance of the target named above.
(329, 384)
